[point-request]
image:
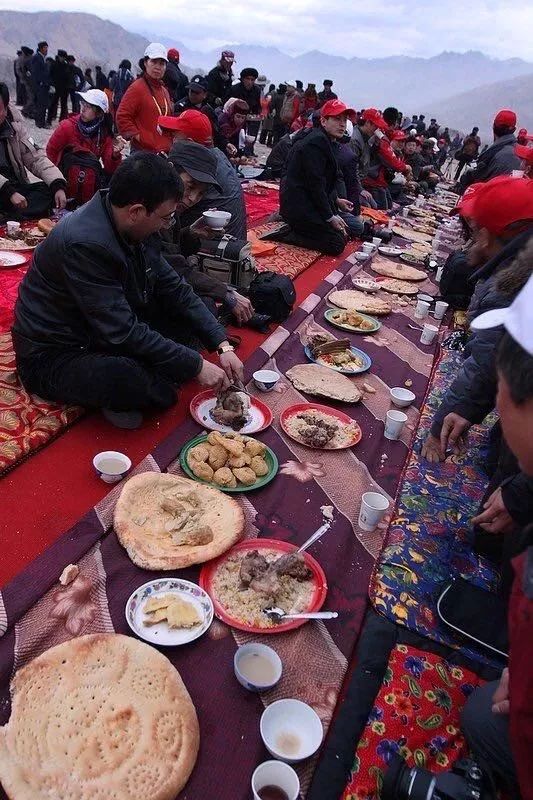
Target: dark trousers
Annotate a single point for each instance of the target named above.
(28, 109)
(42, 98)
(313, 236)
(20, 92)
(75, 101)
(382, 198)
(266, 137)
(39, 199)
(462, 163)
(487, 735)
(60, 96)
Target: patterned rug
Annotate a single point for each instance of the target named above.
(260, 203)
(416, 714)
(286, 259)
(429, 539)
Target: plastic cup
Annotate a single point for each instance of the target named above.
(422, 309)
(376, 241)
(276, 773)
(368, 247)
(12, 227)
(394, 424)
(428, 333)
(438, 274)
(440, 309)
(373, 508)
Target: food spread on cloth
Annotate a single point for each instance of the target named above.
(415, 257)
(229, 461)
(359, 301)
(320, 427)
(101, 715)
(409, 233)
(337, 354)
(323, 382)
(169, 522)
(25, 239)
(391, 269)
(258, 414)
(352, 321)
(173, 610)
(397, 287)
(232, 408)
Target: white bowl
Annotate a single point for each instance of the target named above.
(291, 730)
(122, 465)
(265, 379)
(401, 397)
(216, 219)
(260, 650)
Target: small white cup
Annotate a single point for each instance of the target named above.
(256, 649)
(376, 241)
(405, 211)
(428, 333)
(373, 508)
(12, 227)
(368, 247)
(122, 461)
(265, 379)
(422, 309)
(276, 773)
(440, 309)
(438, 274)
(394, 424)
(420, 201)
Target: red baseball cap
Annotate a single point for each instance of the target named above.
(464, 204)
(398, 136)
(506, 118)
(525, 152)
(500, 202)
(193, 124)
(372, 115)
(334, 108)
(173, 54)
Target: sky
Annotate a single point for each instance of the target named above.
(377, 28)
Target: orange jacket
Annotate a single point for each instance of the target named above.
(144, 102)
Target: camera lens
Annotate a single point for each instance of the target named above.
(404, 783)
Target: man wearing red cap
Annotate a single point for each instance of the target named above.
(175, 81)
(383, 162)
(498, 159)
(308, 198)
(369, 122)
(525, 154)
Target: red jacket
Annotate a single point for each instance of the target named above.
(140, 108)
(67, 134)
(389, 160)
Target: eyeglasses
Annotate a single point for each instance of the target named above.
(169, 220)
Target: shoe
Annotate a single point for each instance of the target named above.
(276, 235)
(127, 420)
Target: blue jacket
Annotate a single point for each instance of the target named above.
(40, 73)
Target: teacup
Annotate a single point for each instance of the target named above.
(265, 379)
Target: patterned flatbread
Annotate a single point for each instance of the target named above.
(323, 382)
(353, 300)
(393, 269)
(412, 235)
(397, 287)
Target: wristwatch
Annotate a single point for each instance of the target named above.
(225, 348)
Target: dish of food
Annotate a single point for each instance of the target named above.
(398, 287)
(323, 382)
(350, 361)
(412, 235)
(202, 405)
(320, 427)
(229, 461)
(387, 250)
(169, 611)
(259, 573)
(420, 247)
(365, 284)
(415, 259)
(99, 716)
(8, 260)
(26, 240)
(168, 522)
(350, 299)
(348, 320)
(391, 269)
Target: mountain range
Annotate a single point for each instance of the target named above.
(461, 89)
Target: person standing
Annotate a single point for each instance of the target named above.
(88, 75)
(326, 94)
(267, 124)
(28, 109)
(76, 81)
(123, 80)
(60, 75)
(100, 79)
(19, 86)
(220, 79)
(41, 83)
(175, 81)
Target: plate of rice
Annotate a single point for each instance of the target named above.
(243, 608)
(336, 430)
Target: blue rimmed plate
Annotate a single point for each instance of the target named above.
(326, 361)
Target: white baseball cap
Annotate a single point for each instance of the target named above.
(156, 50)
(95, 97)
(517, 319)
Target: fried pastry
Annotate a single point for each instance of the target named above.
(218, 456)
(201, 470)
(245, 475)
(254, 448)
(259, 466)
(225, 477)
(200, 452)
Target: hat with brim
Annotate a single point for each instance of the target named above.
(198, 84)
(95, 97)
(516, 319)
(156, 50)
(196, 160)
(334, 108)
(524, 152)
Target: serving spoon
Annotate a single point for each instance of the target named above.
(277, 614)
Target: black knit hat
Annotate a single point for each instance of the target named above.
(249, 72)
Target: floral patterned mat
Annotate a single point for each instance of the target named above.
(416, 715)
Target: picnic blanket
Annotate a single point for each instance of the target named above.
(36, 613)
(260, 202)
(416, 714)
(429, 539)
(286, 259)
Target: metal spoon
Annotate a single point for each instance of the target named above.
(414, 327)
(316, 535)
(277, 614)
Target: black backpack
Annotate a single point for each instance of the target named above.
(272, 294)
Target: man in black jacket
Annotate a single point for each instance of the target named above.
(101, 319)
(498, 159)
(196, 100)
(40, 77)
(246, 89)
(174, 79)
(60, 76)
(220, 79)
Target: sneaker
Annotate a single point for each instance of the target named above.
(127, 420)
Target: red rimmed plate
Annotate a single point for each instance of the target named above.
(292, 411)
(320, 586)
(203, 403)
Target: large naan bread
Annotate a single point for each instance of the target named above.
(142, 524)
(100, 717)
(412, 235)
(403, 272)
(353, 300)
(323, 382)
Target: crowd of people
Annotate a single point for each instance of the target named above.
(112, 315)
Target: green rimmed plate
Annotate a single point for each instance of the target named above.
(331, 313)
(269, 456)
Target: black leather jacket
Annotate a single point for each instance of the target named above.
(87, 289)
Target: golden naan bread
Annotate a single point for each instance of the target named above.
(393, 269)
(168, 522)
(398, 287)
(101, 716)
(323, 382)
(353, 300)
(409, 233)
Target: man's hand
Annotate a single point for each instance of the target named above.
(500, 698)
(339, 224)
(60, 198)
(232, 366)
(344, 205)
(431, 450)
(119, 143)
(495, 518)
(453, 433)
(200, 228)
(18, 200)
(212, 376)
(231, 150)
(243, 310)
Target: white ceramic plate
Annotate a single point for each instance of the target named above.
(161, 634)
(390, 251)
(9, 259)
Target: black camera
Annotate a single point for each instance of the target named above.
(463, 782)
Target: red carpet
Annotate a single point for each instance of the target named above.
(46, 495)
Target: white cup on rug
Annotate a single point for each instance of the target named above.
(373, 508)
(275, 774)
(438, 274)
(428, 333)
(440, 309)
(376, 241)
(368, 247)
(394, 424)
(422, 309)
(12, 228)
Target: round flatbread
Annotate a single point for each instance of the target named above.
(392, 269)
(353, 300)
(323, 382)
(397, 287)
(101, 716)
(165, 521)
(421, 247)
(409, 233)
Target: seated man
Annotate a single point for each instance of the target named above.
(101, 319)
(20, 199)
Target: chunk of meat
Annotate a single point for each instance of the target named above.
(232, 408)
(267, 584)
(252, 566)
(293, 565)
